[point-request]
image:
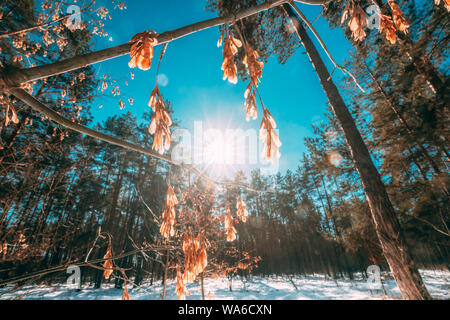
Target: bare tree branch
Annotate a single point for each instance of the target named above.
(56, 117)
(42, 25)
(324, 47)
(21, 76)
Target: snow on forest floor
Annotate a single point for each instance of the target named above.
(311, 287)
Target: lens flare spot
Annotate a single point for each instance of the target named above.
(163, 80)
(335, 159)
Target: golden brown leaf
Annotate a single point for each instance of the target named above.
(242, 265)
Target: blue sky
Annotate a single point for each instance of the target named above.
(191, 65)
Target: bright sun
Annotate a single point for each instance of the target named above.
(218, 156)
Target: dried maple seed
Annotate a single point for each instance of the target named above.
(167, 229)
(242, 212)
(125, 295)
(387, 25)
(141, 52)
(230, 48)
(228, 224)
(181, 287)
(250, 103)
(254, 67)
(399, 19)
(270, 139)
(161, 121)
(108, 265)
(196, 258)
(358, 20)
(4, 101)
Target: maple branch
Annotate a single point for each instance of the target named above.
(56, 117)
(21, 76)
(91, 263)
(434, 227)
(36, 105)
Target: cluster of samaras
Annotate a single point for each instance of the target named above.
(141, 57)
(271, 141)
(230, 48)
(10, 114)
(20, 249)
(196, 260)
(254, 68)
(142, 50)
(242, 214)
(195, 247)
(161, 122)
(358, 20)
(108, 264)
(230, 231)
(167, 227)
(108, 269)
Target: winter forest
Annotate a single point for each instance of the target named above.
(345, 101)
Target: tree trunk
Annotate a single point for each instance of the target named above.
(166, 268)
(202, 286)
(387, 225)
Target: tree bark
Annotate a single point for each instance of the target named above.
(166, 268)
(202, 286)
(387, 225)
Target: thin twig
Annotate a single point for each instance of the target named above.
(324, 47)
(44, 24)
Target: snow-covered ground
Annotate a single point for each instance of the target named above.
(258, 288)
